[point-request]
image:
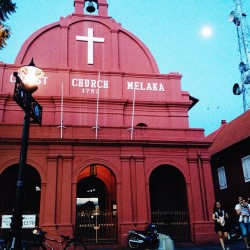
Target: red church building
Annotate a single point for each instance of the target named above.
(115, 149)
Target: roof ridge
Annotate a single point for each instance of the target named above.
(214, 134)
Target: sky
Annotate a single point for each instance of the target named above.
(173, 32)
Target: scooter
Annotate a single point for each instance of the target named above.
(234, 234)
(144, 239)
(3, 244)
(6, 245)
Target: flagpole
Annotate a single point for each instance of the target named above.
(97, 107)
(133, 113)
(61, 116)
(61, 111)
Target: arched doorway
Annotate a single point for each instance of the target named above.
(31, 189)
(91, 192)
(30, 201)
(168, 201)
(96, 217)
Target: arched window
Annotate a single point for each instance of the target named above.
(142, 125)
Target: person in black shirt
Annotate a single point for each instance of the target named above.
(220, 217)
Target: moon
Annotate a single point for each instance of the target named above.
(206, 31)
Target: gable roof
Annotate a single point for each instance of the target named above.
(88, 42)
(230, 133)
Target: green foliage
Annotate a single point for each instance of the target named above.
(6, 8)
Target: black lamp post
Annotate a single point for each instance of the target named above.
(26, 83)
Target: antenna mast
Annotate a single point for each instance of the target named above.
(239, 18)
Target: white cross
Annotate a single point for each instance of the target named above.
(90, 39)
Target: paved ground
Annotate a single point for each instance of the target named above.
(239, 245)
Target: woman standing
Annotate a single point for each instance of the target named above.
(220, 217)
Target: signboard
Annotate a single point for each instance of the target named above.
(21, 96)
(29, 221)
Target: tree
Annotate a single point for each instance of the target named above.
(6, 8)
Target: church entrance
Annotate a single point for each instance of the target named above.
(96, 217)
(30, 202)
(168, 200)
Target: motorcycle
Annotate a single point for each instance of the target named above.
(6, 244)
(144, 239)
(3, 244)
(234, 234)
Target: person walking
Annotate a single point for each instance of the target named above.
(244, 219)
(220, 217)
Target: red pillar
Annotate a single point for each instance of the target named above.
(203, 227)
(65, 225)
(48, 201)
(125, 201)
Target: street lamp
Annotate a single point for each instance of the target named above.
(27, 79)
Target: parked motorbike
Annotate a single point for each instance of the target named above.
(144, 239)
(234, 234)
(3, 244)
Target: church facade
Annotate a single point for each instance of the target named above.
(115, 149)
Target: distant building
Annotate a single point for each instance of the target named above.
(230, 160)
(115, 148)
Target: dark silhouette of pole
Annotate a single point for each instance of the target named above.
(17, 220)
(33, 110)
